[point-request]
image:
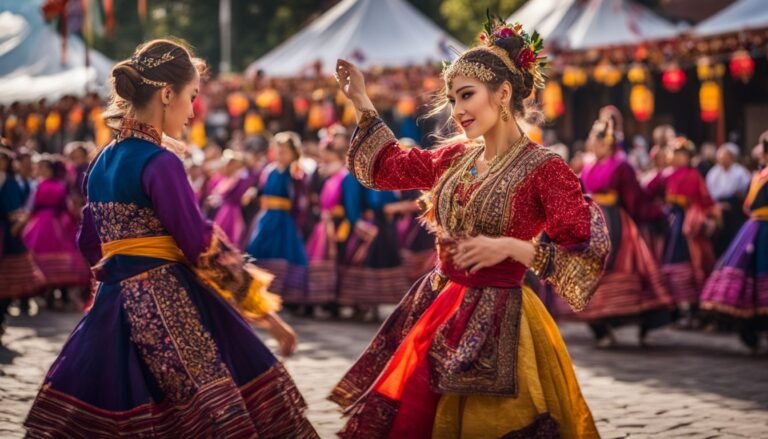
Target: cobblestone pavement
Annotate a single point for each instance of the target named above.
(686, 385)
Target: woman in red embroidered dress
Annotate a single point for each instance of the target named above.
(470, 351)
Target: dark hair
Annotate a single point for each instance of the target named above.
(522, 81)
(155, 64)
(7, 155)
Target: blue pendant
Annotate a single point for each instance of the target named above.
(473, 171)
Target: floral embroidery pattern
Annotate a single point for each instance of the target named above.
(483, 359)
(125, 220)
(166, 328)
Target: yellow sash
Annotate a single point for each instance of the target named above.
(678, 200)
(606, 198)
(760, 214)
(269, 202)
(160, 247)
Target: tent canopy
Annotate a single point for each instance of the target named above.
(30, 58)
(590, 24)
(387, 33)
(742, 15)
(550, 18)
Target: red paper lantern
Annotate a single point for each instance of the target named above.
(742, 66)
(673, 79)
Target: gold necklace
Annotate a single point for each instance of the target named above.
(459, 220)
(471, 173)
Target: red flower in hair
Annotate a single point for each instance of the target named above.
(505, 32)
(525, 58)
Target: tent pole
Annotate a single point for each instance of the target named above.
(225, 33)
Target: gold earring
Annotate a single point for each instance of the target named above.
(505, 116)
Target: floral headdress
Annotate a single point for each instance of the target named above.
(495, 32)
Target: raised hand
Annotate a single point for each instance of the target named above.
(352, 84)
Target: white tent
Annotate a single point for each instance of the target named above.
(739, 16)
(30, 58)
(588, 24)
(606, 23)
(552, 19)
(388, 33)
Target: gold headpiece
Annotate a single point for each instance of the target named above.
(158, 84)
(145, 62)
(496, 30)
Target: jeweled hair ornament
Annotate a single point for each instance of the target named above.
(496, 30)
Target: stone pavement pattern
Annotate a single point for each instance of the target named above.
(687, 385)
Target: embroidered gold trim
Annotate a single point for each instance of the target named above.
(365, 146)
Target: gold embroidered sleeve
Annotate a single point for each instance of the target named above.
(225, 270)
(575, 272)
(371, 137)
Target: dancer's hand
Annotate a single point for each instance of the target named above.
(478, 252)
(352, 84)
(281, 332)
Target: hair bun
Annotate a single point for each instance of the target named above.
(127, 81)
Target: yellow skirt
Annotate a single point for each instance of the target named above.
(547, 384)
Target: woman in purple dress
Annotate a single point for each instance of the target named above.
(164, 352)
(738, 288)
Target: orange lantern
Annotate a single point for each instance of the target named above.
(606, 73)
(52, 122)
(10, 125)
(637, 73)
(742, 66)
(34, 121)
(574, 77)
(709, 101)
(75, 117)
(641, 102)
(552, 100)
(673, 79)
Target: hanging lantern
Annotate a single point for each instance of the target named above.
(641, 102)
(742, 66)
(34, 121)
(637, 73)
(552, 100)
(52, 122)
(673, 79)
(706, 70)
(606, 73)
(709, 101)
(574, 77)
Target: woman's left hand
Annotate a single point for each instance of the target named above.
(478, 252)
